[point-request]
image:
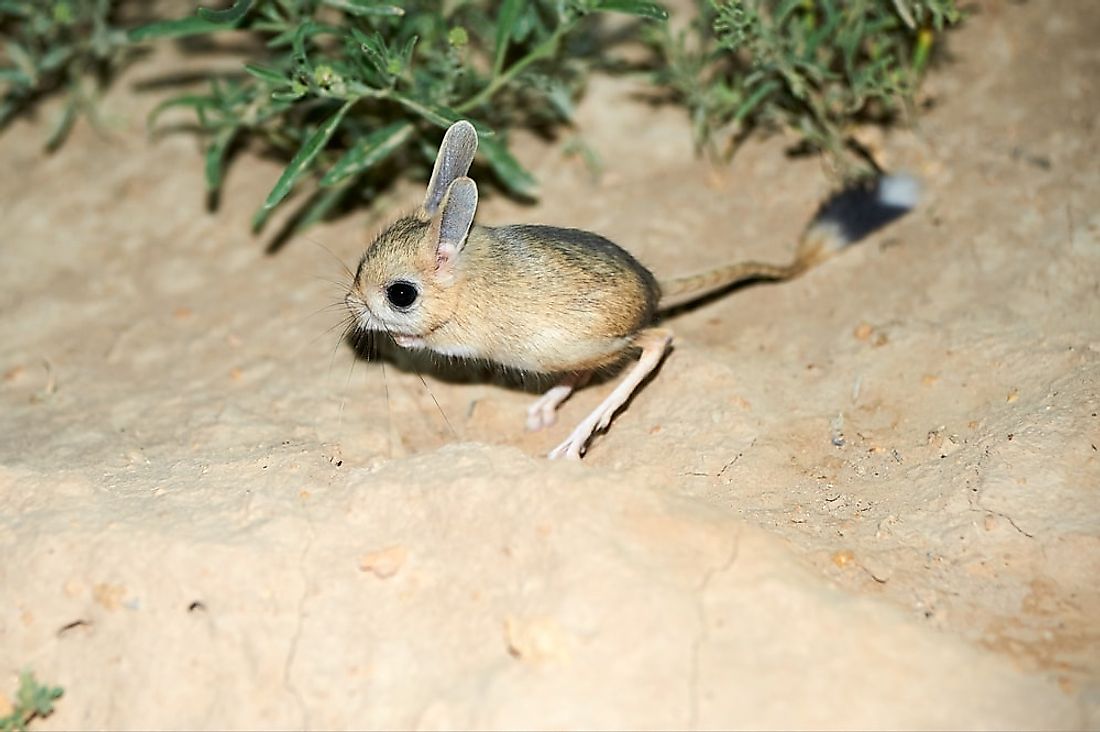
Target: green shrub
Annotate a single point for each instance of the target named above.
(348, 85)
(67, 46)
(815, 67)
(352, 93)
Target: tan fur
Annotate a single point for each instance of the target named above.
(529, 298)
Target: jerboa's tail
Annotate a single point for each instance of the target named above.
(843, 220)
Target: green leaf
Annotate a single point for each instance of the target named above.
(305, 155)
(15, 76)
(281, 39)
(36, 698)
(263, 73)
(561, 98)
(507, 168)
(405, 57)
(755, 99)
(822, 34)
(298, 43)
(229, 16)
(32, 700)
(368, 151)
(63, 125)
(195, 101)
(364, 7)
(22, 60)
(215, 158)
(306, 31)
(204, 21)
(506, 21)
(434, 113)
(641, 8)
(16, 7)
(259, 219)
(55, 58)
(779, 16)
(172, 29)
(289, 95)
(375, 51)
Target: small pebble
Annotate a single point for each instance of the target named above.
(384, 563)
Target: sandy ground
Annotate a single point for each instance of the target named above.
(870, 497)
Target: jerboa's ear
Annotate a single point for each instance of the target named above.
(456, 153)
(452, 223)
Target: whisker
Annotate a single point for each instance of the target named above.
(389, 407)
(427, 388)
(346, 323)
(356, 335)
(356, 339)
(349, 324)
(333, 309)
(328, 307)
(391, 427)
(341, 284)
(343, 265)
(437, 405)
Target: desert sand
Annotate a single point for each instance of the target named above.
(866, 498)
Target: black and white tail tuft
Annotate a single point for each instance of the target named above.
(862, 209)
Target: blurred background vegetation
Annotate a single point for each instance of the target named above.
(814, 67)
(353, 93)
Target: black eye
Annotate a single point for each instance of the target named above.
(402, 294)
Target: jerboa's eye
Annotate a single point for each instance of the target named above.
(402, 294)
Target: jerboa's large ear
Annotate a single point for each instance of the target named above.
(456, 153)
(452, 222)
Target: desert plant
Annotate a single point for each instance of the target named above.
(66, 46)
(812, 66)
(351, 93)
(31, 701)
(348, 85)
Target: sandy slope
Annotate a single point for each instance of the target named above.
(208, 523)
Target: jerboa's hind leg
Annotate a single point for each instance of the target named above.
(543, 412)
(654, 342)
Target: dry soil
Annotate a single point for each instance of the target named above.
(866, 498)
